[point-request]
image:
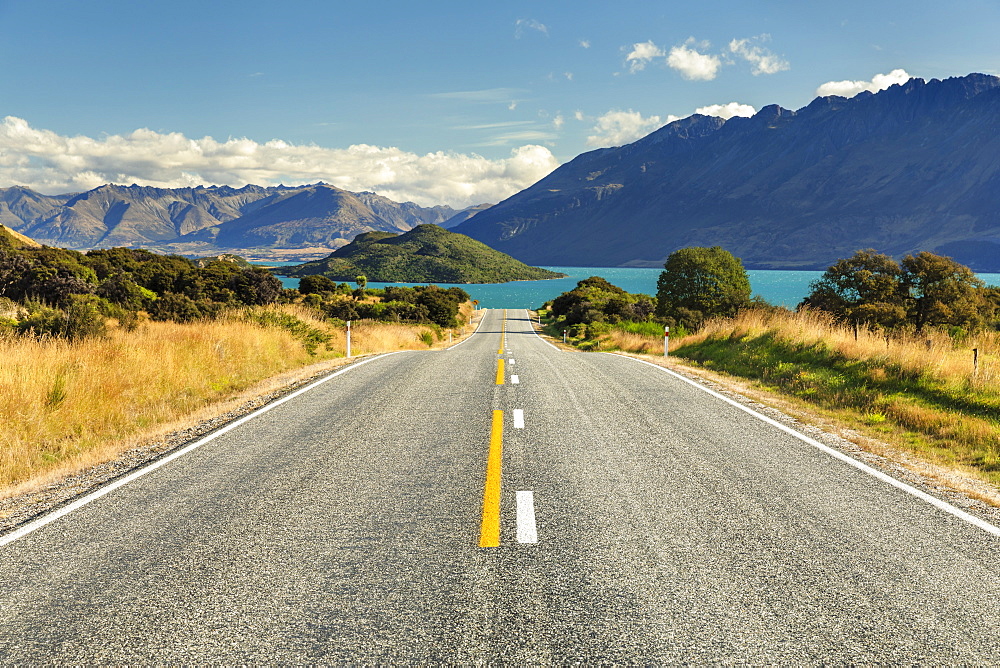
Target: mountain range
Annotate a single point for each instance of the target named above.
(910, 168)
(914, 167)
(274, 222)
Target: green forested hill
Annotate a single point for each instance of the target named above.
(427, 253)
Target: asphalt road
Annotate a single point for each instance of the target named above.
(344, 526)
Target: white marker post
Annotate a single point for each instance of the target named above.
(564, 336)
(348, 338)
(666, 341)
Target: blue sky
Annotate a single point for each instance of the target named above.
(454, 102)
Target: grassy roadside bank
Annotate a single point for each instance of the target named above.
(68, 405)
(920, 395)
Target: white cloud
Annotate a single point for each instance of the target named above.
(616, 128)
(763, 60)
(513, 105)
(529, 24)
(52, 164)
(585, 43)
(852, 88)
(578, 115)
(726, 111)
(558, 121)
(642, 53)
(568, 75)
(693, 65)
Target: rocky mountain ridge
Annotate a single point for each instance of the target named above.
(280, 221)
(913, 167)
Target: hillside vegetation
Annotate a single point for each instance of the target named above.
(11, 239)
(427, 253)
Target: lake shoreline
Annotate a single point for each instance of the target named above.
(781, 287)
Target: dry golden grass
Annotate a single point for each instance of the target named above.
(616, 339)
(933, 351)
(69, 405)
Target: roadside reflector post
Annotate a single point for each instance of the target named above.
(449, 338)
(348, 338)
(666, 341)
(975, 361)
(564, 336)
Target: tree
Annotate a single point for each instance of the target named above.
(699, 283)
(255, 286)
(865, 288)
(441, 305)
(316, 284)
(924, 290)
(943, 292)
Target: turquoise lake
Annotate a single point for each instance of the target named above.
(783, 288)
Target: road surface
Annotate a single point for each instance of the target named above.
(636, 518)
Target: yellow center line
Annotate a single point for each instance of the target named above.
(489, 532)
(500, 373)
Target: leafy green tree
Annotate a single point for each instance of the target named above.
(699, 283)
(255, 286)
(442, 306)
(120, 289)
(176, 307)
(943, 292)
(866, 288)
(924, 290)
(316, 284)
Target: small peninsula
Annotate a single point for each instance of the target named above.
(427, 253)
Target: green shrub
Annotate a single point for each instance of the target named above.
(81, 318)
(311, 337)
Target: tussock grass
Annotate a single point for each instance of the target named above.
(633, 342)
(68, 405)
(918, 392)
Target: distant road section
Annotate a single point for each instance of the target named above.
(503, 501)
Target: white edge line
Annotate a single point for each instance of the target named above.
(93, 496)
(535, 332)
(884, 477)
(481, 321)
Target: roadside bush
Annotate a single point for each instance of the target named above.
(81, 318)
(176, 307)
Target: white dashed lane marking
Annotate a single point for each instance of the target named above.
(526, 532)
